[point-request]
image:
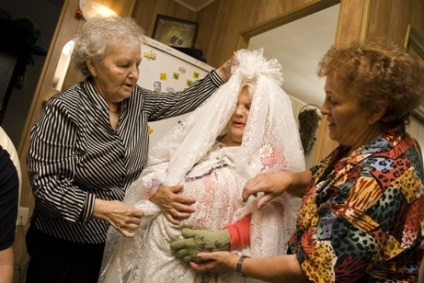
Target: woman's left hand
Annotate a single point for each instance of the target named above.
(215, 262)
(225, 70)
(174, 206)
(123, 217)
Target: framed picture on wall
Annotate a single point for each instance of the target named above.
(175, 32)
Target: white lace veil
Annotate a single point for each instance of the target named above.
(271, 124)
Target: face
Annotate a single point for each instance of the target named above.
(115, 77)
(237, 122)
(348, 123)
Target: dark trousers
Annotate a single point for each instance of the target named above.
(53, 260)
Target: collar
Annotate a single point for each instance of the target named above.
(97, 100)
(385, 141)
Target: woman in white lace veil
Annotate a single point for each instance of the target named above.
(215, 176)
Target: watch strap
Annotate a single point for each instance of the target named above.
(240, 264)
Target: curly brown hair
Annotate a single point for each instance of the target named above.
(378, 71)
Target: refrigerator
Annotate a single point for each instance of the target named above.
(165, 69)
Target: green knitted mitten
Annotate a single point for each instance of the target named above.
(196, 241)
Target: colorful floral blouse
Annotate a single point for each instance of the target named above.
(362, 219)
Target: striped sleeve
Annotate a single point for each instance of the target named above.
(51, 164)
(161, 106)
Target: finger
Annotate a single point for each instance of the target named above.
(177, 215)
(133, 220)
(188, 232)
(182, 244)
(181, 253)
(199, 267)
(187, 200)
(181, 216)
(264, 200)
(205, 256)
(183, 208)
(171, 219)
(188, 258)
(247, 192)
(132, 226)
(251, 187)
(137, 213)
(176, 189)
(202, 264)
(127, 233)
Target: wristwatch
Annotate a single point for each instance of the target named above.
(240, 264)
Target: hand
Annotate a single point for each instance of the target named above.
(225, 70)
(275, 184)
(196, 241)
(123, 217)
(271, 184)
(174, 206)
(215, 262)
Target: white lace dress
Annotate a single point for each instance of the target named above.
(215, 176)
(217, 187)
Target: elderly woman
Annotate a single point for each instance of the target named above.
(89, 145)
(362, 215)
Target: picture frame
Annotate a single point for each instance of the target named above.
(175, 32)
(414, 43)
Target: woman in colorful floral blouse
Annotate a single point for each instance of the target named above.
(362, 216)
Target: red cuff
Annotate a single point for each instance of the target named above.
(240, 233)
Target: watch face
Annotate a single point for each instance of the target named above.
(90, 9)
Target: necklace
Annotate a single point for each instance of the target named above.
(216, 167)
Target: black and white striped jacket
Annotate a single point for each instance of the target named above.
(75, 156)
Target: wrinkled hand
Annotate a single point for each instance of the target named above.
(271, 184)
(225, 70)
(174, 206)
(275, 184)
(123, 217)
(196, 241)
(216, 262)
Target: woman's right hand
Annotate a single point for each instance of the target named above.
(271, 184)
(174, 206)
(216, 262)
(274, 184)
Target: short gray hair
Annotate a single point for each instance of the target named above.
(100, 33)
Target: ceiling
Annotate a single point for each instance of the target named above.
(194, 5)
(298, 46)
